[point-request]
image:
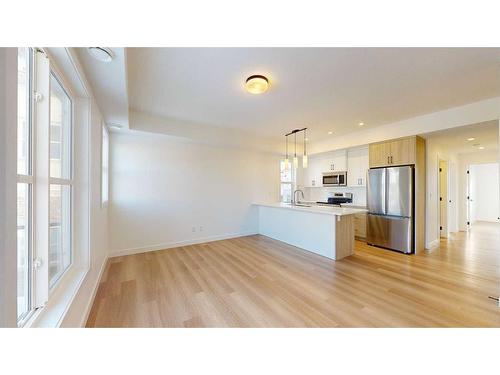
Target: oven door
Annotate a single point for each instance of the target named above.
(330, 179)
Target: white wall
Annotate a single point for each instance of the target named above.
(465, 160)
(77, 313)
(484, 183)
(8, 127)
(161, 188)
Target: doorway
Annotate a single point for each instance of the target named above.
(482, 197)
(443, 198)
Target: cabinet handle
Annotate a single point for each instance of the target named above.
(388, 160)
(391, 159)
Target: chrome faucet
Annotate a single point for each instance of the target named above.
(294, 196)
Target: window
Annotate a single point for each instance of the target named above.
(286, 179)
(24, 183)
(105, 166)
(44, 182)
(60, 181)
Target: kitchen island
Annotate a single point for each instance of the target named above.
(324, 230)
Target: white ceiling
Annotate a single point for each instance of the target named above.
(325, 89)
(109, 84)
(455, 140)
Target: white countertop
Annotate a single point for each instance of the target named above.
(327, 210)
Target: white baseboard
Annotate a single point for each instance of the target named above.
(432, 244)
(94, 292)
(170, 245)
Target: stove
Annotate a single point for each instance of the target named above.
(338, 199)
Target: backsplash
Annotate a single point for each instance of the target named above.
(322, 194)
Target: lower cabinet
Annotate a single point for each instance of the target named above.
(360, 226)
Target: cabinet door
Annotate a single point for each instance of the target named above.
(313, 174)
(380, 154)
(357, 165)
(403, 151)
(360, 225)
(363, 166)
(340, 162)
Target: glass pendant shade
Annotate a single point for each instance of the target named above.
(295, 162)
(287, 164)
(304, 161)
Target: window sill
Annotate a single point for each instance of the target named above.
(52, 314)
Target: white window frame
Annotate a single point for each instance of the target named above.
(104, 166)
(30, 181)
(64, 181)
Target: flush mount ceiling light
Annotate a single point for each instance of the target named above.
(103, 54)
(257, 84)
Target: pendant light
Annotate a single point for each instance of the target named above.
(295, 158)
(304, 158)
(287, 162)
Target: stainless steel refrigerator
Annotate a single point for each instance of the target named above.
(390, 221)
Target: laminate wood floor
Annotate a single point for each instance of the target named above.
(259, 282)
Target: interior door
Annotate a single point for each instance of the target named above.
(443, 198)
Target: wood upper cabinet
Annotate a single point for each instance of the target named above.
(380, 154)
(392, 153)
(403, 151)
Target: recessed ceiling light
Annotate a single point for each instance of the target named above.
(103, 54)
(471, 139)
(481, 147)
(257, 84)
(361, 124)
(330, 133)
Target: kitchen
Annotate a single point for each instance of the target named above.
(375, 192)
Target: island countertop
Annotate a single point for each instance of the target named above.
(335, 211)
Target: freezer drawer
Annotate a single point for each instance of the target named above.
(395, 233)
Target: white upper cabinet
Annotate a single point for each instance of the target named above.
(357, 165)
(335, 162)
(354, 161)
(313, 174)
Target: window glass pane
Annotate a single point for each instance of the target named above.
(60, 131)
(286, 192)
(60, 231)
(285, 175)
(23, 249)
(23, 111)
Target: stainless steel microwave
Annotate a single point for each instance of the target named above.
(335, 179)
